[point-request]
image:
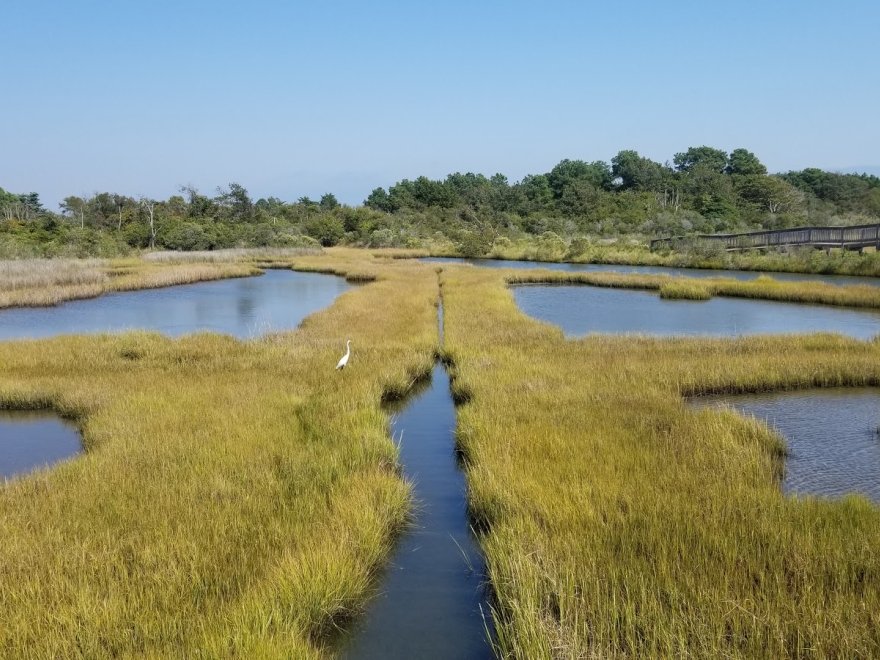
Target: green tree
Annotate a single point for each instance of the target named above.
(31, 204)
(475, 243)
(23, 207)
(771, 194)
(710, 193)
(537, 190)
(569, 172)
(707, 157)
(636, 172)
(325, 228)
(381, 201)
(237, 202)
(177, 206)
(580, 198)
(75, 208)
(7, 197)
(472, 189)
(328, 202)
(744, 162)
(432, 193)
(200, 206)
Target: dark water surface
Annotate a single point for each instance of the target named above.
(432, 599)
(832, 437)
(243, 307)
(580, 310)
(660, 270)
(33, 438)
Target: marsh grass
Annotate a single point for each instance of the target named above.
(231, 254)
(46, 282)
(184, 273)
(43, 282)
(618, 523)
(400, 253)
(636, 253)
(31, 273)
(677, 290)
(235, 498)
(762, 287)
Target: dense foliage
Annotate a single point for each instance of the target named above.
(703, 190)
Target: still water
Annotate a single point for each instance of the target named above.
(831, 434)
(580, 310)
(432, 599)
(34, 438)
(243, 307)
(659, 270)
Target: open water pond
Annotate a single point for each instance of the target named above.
(243, 307)
(659, 270)
(30, 439)
(432, 597)
(580, 310)
(831, 434)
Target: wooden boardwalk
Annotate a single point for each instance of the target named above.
(848, 238)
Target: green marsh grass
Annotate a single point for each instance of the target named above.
(677, 290)
(617, 522)
(235, 498)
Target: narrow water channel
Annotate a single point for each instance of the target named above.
(831, 435)
(432, 599)
(30, 439)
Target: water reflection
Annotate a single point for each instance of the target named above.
(243, 307)
(832, 437)
(580, 310)
(34, 438)
(432, 598)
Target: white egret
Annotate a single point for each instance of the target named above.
(344, 359)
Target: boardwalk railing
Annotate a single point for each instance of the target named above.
(849, 238)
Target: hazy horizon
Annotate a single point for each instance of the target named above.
(299, 101)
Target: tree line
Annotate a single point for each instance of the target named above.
(702, 190)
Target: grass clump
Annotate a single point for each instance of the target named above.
(687, 290)
(618, 523)
(235, 499)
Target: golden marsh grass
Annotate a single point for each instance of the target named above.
(762, 287)
(617, 522)
(46, 282)
(235, 498)
(677, 290)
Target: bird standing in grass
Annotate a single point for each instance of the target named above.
(344, 359)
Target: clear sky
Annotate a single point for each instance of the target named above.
(302, 98)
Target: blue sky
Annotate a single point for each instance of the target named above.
(301, 98)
